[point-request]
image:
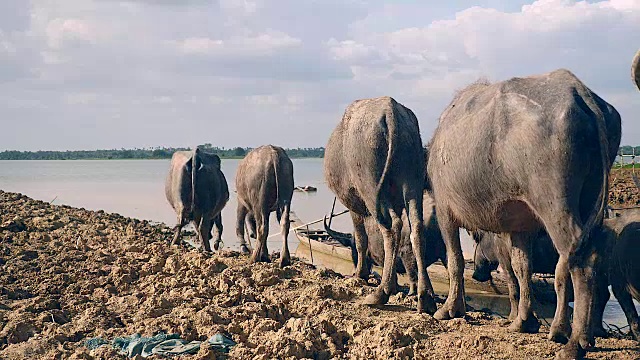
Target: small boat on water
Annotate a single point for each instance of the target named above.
(318, 240)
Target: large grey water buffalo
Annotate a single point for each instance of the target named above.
(374, 164)
(433, 246)
(264, 182)
(516, 156)
(197, 190)
(635, 70)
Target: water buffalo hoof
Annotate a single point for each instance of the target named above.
(571, 351)
(255, 258)
(560, 334)
(450, 310)
(244, 249)
(285, 261)
(363, 273)
(599, 331)
(412, 289)
(378, 297)
(529, 326)
(635, 331)
(216, 245)
(426, 304)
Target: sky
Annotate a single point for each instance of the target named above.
(95, 74)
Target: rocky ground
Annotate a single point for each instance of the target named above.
(623, 192)
(69, 274)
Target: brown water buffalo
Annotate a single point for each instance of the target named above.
(197, 190)
(264, 182)
(537, 153)
(374, 164)
(635, 70)
(433, 246)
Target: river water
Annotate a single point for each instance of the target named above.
(135, 188)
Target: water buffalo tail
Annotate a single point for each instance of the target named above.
(382, 214)
(600, 206)
(195, 164)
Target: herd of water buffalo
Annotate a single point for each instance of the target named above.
(522, 164)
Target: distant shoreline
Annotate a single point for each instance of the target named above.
(157, 153)
(138, 159)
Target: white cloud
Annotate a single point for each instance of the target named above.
(60, 31)
(231, 65)
(265, 44)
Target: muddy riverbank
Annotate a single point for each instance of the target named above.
(69, 274)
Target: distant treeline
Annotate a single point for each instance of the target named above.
(152, 153)
(629, 150)
(166, 152)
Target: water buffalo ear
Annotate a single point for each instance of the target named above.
(217, 160)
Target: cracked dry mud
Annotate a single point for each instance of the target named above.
(69, 274)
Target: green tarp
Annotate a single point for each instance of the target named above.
(160, 344)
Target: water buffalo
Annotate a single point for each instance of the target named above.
(374, 164)
(433, 246)
(621, 234)
(635, 70)
(493, 250)
(537, 153)
(264, 182)
(197, 190)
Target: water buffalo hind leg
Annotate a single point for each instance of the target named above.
(560, 327)
(260, 252)
(362, 245)
(602, 297)
(204, 233)
(241, 214)
(455, 305)
(285, 256)
(426, 303)
(512, 280)
(178, 230)
(626, 303)
(217, 225)
(525, 322)
(391, 239)
(565, 230)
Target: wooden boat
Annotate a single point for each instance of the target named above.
(321, 249)
(318, 240)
